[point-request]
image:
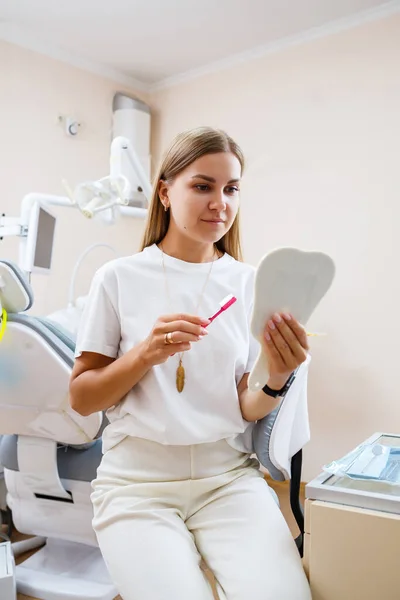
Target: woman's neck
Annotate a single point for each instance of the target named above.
(188, 250)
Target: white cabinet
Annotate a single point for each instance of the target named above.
(352, 536)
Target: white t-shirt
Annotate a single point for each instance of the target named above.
(127, 296)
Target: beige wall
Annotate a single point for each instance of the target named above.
(36, 155)
(320, 124)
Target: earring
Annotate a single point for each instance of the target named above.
(165, 208)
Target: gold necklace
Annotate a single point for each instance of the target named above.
(180, 371)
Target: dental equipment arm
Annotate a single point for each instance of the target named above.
(71, 293)
(121, 146)
(104, 198)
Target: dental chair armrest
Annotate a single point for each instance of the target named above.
(286, 430)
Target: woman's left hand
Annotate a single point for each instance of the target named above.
(286, 346)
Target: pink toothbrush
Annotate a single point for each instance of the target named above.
(224, 304)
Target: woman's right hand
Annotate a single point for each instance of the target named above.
(181, 330)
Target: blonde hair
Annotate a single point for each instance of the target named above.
(184, 150)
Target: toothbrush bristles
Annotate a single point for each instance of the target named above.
(227, 301)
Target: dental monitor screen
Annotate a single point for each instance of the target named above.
(39, 250)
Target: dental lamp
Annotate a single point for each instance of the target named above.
(106, 199)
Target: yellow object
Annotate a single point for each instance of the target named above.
(3, 323)
(314, 334)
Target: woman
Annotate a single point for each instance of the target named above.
(176, 484)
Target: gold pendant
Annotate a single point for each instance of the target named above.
(180, 377)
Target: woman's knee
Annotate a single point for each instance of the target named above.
(261, 579)
(267, 587)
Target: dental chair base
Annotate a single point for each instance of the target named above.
(8, 590)
(70, 565)
(64, 571)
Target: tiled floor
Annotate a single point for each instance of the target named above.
(282, 489)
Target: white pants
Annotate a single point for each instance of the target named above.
(159, 510)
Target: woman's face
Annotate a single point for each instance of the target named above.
(204, 198)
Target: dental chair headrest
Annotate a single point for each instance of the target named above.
(16, 293)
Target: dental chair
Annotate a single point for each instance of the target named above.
(279, 439)
(48, 452)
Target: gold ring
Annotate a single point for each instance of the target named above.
(168, 338)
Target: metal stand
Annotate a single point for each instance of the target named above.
(295, 504)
